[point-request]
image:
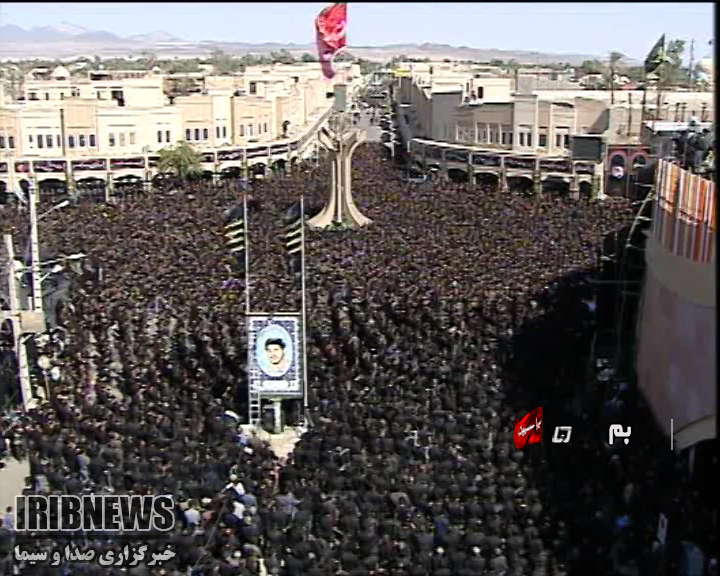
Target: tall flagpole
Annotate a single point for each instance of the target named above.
(247, 254)
(304, 309)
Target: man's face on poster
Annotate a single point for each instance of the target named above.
(275, 352)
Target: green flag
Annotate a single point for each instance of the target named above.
(656, 56)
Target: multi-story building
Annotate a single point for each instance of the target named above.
(454, 104)
(115, 115)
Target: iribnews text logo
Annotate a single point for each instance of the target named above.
(94, 513)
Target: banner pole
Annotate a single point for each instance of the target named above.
(247, 254)
(304, 308)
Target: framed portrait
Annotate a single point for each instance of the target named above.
(275, 359)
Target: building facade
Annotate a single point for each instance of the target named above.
(94, 120)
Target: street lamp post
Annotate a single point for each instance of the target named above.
(34, 251)
(15, 315)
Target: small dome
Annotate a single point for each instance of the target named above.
(60, 73)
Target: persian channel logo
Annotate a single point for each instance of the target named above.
(94, 514)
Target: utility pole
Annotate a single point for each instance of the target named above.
(37, 300)
(691, 72)
(15, 315)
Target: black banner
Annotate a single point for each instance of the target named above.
(22, 167)
(433, 152)
(256, 152)
(556, 165)
(279, 149)
(209, 157)
(4, 168)
(584, 168)
(48, 166)
(127, 163)
(460, 156)
(486, 160)
(153, 161)
(95, 164)
(228, 155)
(518, 163)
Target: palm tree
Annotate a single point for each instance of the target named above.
(615, 58)
(182, 160)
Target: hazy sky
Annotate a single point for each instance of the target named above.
(560, 28)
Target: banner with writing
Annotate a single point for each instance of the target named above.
(519, 163)
(584, 168)
(490, 160)
(92, 165)
(230, 155)
(459, 156)
(256, 152)
(127, 163)
(556, 165)
(279, 149)
(49, 166)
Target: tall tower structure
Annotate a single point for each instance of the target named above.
(340, 139)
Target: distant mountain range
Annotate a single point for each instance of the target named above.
(67, 40)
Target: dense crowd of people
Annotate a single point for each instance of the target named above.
(456, 311)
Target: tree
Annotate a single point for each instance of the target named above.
(182, 160)
(345, 57)
(307, 57)
(222, 63)
(670, 71)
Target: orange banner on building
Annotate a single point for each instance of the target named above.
(684, 216)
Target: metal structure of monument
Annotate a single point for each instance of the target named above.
(340, 139)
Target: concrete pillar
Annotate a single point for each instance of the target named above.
(574, 187)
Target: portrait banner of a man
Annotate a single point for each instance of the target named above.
(274, 350)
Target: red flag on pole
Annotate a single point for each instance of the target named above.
(331, 28)
(528, 429)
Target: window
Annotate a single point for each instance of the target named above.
(529, 139)
(566, 141)
(187, 134)
(242, 130)
(217, 131)
(265, 127)
(40, 141)
(2, 141)
(480, 92)
(49, 141)
(81, 141)
(111, 139)
(197, 134)
(224, 131)
(58, 141)
(62, 95)
(132, 138)
(159, 136)
(250, 129)
(510, 138)
(483, 133)
(558, 140)
(522, 138)
(503, 138)
(167, 135)
(30, 138)
(253, 87)
(542, 140)
(122, 139)
(71, 142)
(11, 142)
(206, 133)
(92, 141)
(32, 96)
(47, 96)
(75, 93)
